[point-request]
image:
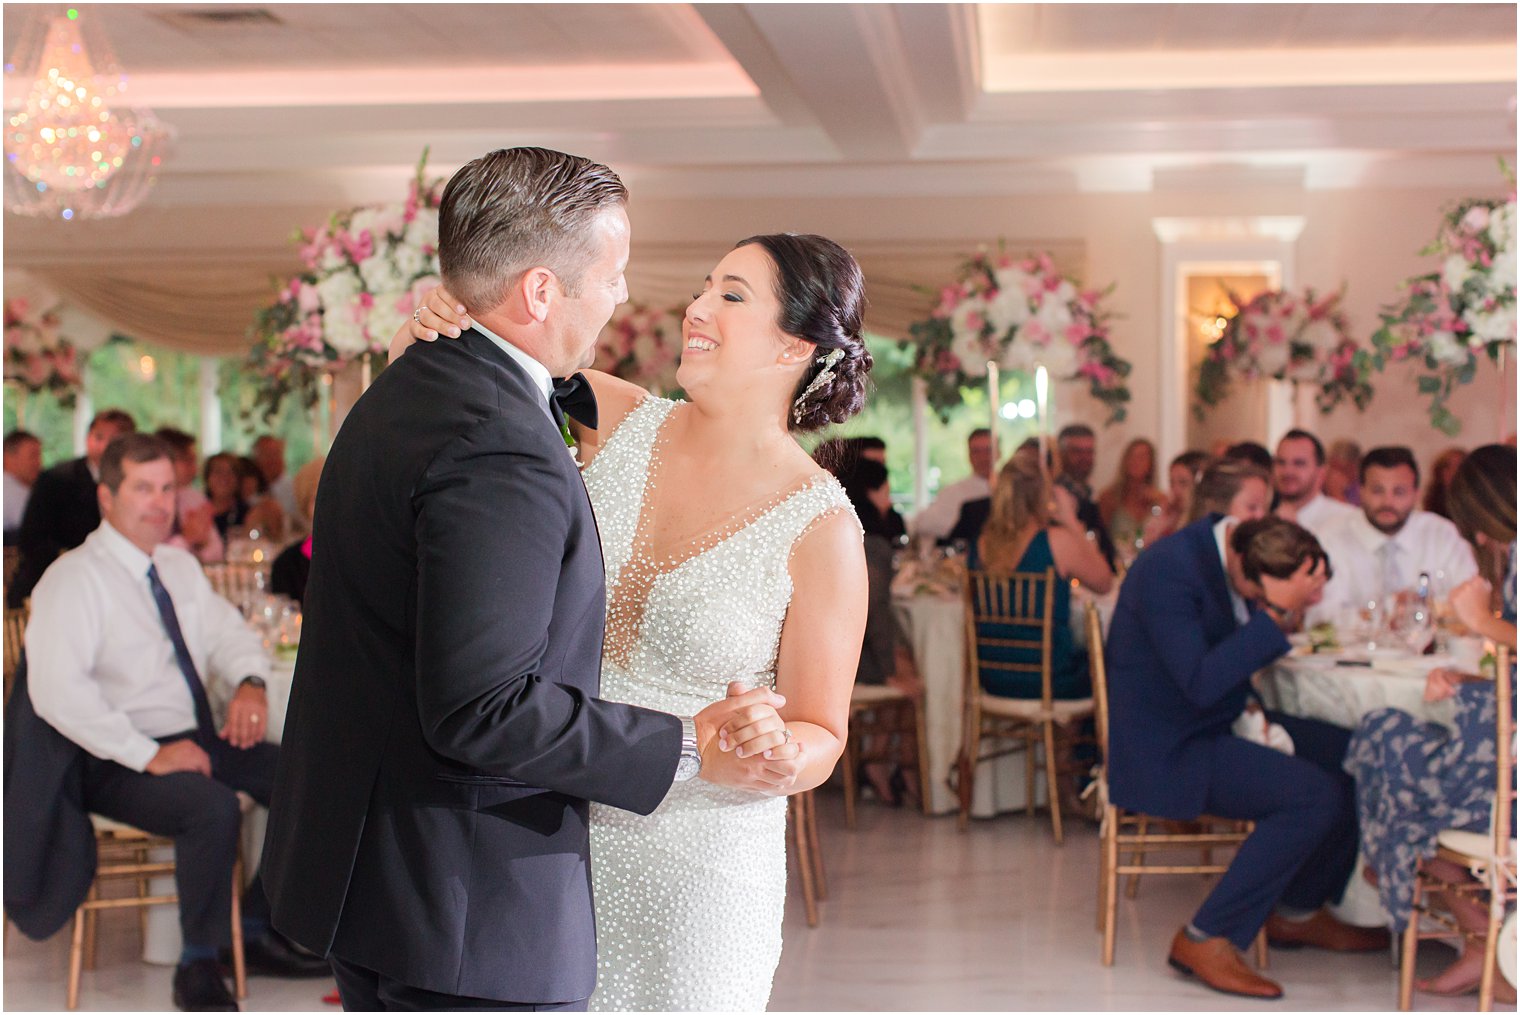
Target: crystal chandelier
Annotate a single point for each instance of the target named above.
(75, 147)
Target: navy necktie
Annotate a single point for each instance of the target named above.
(204, 724)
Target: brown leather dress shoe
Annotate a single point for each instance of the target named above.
(1324, 931)
(1219, 965)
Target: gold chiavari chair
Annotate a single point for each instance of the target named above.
(125, 855)
(235, 583)
(15, 642)
(1020, 604)
(1123, 831)
(1488, 856)
(885, 725)
(802, 822)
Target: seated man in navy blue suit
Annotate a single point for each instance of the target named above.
(1198, 614)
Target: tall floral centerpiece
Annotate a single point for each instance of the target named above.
(1018, 313)
(37, 356)
(1447, 319)
(641, 344)
(1283, 336)
(364, 273)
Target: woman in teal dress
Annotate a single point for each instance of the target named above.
(1034, 526)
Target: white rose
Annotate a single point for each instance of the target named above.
(1008, 310)
(1055, 316)
(338, 289)
(960, 319)
(1059, 357)
(332, 259)
(1455, 271)
(1321, 334)
(410, 264)
(1445, 348)
(384, 319)
(423, 230)
(365, 218)
(1501, 277)
(1018, 356)
(342, 330)
(1497, 325)
(1476, 219)
(1272, 358)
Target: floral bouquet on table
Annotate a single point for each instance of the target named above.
(1286, 337)
(1018, 313)
(1449, 317)
(37, 356)
(364, 273)
(643, 345)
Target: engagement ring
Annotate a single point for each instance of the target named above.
(416, 315)
(787, 734)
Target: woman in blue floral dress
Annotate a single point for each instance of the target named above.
(1414, 778)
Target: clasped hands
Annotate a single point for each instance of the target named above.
(745, 744)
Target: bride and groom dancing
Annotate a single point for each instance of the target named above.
(465, 754)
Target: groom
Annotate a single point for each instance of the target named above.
(429, 832)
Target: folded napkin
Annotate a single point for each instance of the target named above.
(1252, 725)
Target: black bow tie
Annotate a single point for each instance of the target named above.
(573, 397)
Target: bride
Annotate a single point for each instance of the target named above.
(730, 555)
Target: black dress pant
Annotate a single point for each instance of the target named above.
(366, 990)
(202, 816)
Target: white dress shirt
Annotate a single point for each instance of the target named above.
(1427, 543)
(939, 518)
(1237, 601)
(101, 668)
(1322, 513)
(16, 494)
(536, 370)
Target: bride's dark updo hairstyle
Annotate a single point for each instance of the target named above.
(822, 296)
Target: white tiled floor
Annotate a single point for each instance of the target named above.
(919, 916)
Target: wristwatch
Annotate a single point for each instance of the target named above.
(690, 762)
(252, 681)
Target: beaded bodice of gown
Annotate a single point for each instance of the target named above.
(689, 899)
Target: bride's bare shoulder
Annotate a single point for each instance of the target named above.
(615, 399)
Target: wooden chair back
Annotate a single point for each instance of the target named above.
(1098, 669)
(1020, 600)
(15, 642)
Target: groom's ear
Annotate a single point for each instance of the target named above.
(538, 287)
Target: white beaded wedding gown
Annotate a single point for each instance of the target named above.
(689, 898)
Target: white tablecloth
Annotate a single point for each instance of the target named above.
(162, 942)
(1320, 687)
(936, 627)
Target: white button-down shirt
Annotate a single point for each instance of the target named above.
(536, 370)
(1322, 513)
(939, 518)
(101, 668)
(16, 494)
(1237, 601)
(1427, 543)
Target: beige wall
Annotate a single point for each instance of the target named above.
(1368, 239)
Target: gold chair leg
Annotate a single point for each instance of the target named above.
(1111, 882)
(1029, 759)
(804, 862)
(851, 764)
(1052, 780)
(970, 750)
(810, 804)
(1261, 949)
(1411, 945)
(1491, 948)
(922, 733)
(91, 927)
(1137, 859)
(239, 970)
(76, 959)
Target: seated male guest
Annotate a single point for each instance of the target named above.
(1382, 549)
(1199, 613)
(123, 632)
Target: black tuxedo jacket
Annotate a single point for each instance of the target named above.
(443, 737)
(62, 510)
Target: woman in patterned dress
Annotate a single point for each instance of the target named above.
(1415, 778)
(731, 556)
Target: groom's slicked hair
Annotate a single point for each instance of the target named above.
(519, 208)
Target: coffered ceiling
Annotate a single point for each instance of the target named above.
(286, 110)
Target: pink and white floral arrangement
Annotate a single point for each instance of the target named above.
(1448, 318)
(641, 344)
(364, 273)
(1284, 336)
(37, 356)
(1019, 313)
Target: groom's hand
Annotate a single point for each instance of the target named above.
(745, 722)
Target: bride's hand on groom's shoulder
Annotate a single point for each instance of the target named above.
(439, 313)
